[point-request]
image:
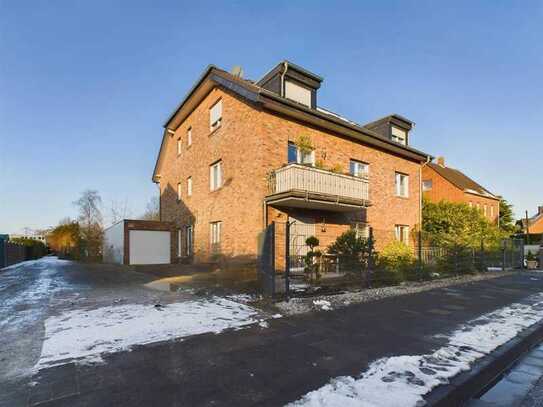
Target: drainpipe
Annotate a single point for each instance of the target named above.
(285, 67)
(428, 160)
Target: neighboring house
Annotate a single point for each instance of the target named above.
(237, 155)
(442, 183)
(535, 223)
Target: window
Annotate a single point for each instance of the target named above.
(402, 233)
(215, 115)
(427, 185)
(189, 186)
(402, 185)
(295, 155)
(215, 176)
(292, 153)
(178, 191)
(478, 206)
(491, 212)
(298, 93)
(398, 135)
(358, 168)
(362, 230)
(470, 204)
(485, 210)
(179, 146)
(179, 241)
(189, 137)
(215, 236)
(188, 240)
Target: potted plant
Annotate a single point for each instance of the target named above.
(531, 261)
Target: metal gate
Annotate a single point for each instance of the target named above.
(300, 229)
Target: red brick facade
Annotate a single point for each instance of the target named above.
(251, 143)
(444, 190)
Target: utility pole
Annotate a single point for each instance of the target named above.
(527, 230)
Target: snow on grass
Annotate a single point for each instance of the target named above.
(404, 380)
(88, 333)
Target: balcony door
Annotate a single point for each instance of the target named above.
(300, 230)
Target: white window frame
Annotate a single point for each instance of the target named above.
(397, 138)
(361, 229)
(179, 240)
(485, 210)
(189, 137)
(189, 186)
(492, 211)
(402, 188)
(361, 169)
(215, 235)
(427, 185)
(189, 239)
(215, 177)
(179, 146)
(215, 115)
(401, 232)
(179, 191)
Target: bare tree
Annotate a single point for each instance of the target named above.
(90, 221)
(119, 210)
(152, 210)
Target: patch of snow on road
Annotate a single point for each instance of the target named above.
(404, 380)
(323, 305)
(88, 333)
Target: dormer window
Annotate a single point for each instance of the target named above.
(298, 93)
(398, 135)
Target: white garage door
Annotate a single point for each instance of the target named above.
(149, 247)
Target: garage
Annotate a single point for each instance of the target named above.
(137, 242)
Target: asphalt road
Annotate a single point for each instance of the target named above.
(249, 367)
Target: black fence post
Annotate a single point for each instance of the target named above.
(370, 259)
(287, 261)
(483, 266)
(503, 254)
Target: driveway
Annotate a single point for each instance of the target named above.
(53, 311)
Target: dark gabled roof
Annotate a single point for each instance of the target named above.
(462, 181)
(213, 76)
(405, 122)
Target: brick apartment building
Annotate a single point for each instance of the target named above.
(442, 183)
(237, 155)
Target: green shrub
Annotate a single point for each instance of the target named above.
(396, 256)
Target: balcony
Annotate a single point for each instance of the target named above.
(301, 186)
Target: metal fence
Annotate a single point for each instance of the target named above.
(283, 262)
(13, 253)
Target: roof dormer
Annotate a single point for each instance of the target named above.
(292, 82)
(394, 127)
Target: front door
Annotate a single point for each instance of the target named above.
(302, 228)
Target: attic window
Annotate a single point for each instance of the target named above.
(298, 93)
(398, 135)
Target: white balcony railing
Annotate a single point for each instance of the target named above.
(309, 179)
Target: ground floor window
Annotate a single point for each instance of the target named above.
(179, 240)
(188, 240)
(361, 229)
(215, 236)
(402, 233)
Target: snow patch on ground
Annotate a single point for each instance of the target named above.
(323, 305)
(88, 333)
(404, 380)
(43, 262)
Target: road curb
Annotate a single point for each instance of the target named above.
(470, 383)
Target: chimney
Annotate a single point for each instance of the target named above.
(539, 210)
(441, 161)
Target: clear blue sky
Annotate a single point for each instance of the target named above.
(85, 86)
